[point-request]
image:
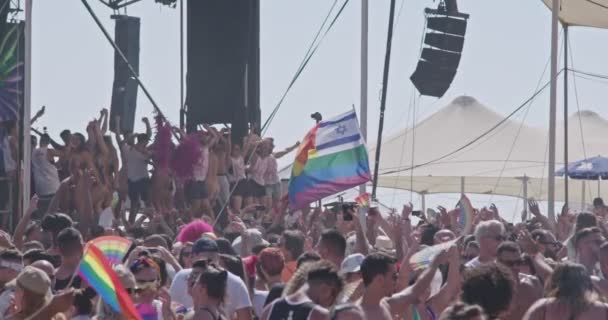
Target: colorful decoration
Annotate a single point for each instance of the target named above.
(96, 270)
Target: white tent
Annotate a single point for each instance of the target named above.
(495, 164)
(589, 13)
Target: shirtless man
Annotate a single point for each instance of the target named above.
(222, 152)
(528, 288)
(380, 302)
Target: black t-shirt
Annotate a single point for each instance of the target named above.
(61, 284)
(283, 310)
(275, 293)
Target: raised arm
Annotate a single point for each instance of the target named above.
(37, 115)
(286, 151)
(103, 119)
(400, 301)
(23, 222)
(450, 290)
(148, 127)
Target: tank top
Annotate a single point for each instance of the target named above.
(283, 310)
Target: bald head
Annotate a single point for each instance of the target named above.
(45, 266)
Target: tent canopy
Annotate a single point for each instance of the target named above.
(495, 163)
(587, 13)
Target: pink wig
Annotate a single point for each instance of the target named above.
(193, 231)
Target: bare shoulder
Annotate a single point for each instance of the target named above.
(529, 281)
(319, 313)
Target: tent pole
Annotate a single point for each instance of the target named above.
(423, 202)
(598, 187)
(525, 189)
(552, 110)
(387, 61)
(566, 113)
(461, 185)
(363, 89)
(583, 196)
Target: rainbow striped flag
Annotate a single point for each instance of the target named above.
(363, 200)
(96, 270)
(113, 247)
(466, 216)
(331, 158)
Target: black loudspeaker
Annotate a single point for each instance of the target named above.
(440, 57)
(124, 90)
(223, 63)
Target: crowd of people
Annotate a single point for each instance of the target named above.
(214, 238)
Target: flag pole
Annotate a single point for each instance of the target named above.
(387, 61)
(27, 106)
(552, 111)
(363, 88)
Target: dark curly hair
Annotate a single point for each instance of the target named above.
(462, 311)
(493, 278)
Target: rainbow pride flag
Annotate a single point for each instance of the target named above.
(96, 270)
(363, 200)
(466, 216)
(423, 258)
(113, 247)
(331, 158)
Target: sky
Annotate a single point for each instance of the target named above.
(505, 53)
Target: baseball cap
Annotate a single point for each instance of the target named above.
(204, 245)
(36, 281)
(255, 239)
(352, 263)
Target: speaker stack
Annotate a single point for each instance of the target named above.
(124, 90)
(444, 41)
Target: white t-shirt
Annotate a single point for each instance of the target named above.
(137, 163)
(46, 177)
(259, 297)
(237, 296)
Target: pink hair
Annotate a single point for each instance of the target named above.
(193, 231)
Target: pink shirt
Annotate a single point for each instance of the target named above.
(202, 166)
(271, 176)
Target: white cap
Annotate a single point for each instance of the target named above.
(384, 243)
(352, 263)
(255, 239)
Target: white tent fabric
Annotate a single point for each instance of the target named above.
(495, 163)
(588, 13)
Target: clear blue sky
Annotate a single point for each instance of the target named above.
(506, 49)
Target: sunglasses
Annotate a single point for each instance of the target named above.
(551, 243)
(498, 237)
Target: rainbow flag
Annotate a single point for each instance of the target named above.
(96, 270)
(467, 213)
(113, 247)
(363, 200)
(331, 158)
(423, 258)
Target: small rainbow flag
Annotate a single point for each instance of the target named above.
(96, 270)
(467, 213)
(113, 247)
(363, 200)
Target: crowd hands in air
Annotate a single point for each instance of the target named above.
(218, 241)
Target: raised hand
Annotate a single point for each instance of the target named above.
(534, 209)
(407, 210)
